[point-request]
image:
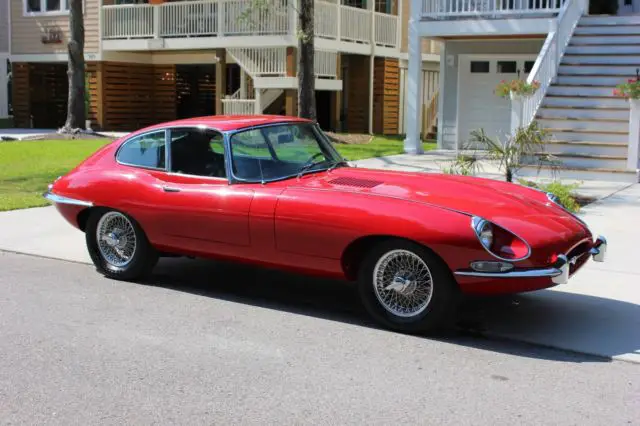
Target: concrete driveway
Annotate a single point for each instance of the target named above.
(597, 313)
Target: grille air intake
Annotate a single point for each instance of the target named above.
(355, 182)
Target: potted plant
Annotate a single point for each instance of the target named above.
(516, 88)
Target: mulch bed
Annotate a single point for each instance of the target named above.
(349, 138)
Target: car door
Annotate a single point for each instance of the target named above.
(201, 211)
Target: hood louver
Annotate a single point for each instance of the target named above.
(355, 182)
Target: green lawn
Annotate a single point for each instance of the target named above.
(26, 168)
(379, 147)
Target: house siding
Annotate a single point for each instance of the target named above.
(4, 26)
(428, 46)
(447, 125)
(27, 31)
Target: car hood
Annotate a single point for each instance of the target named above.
(521, 210)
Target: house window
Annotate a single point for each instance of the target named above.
(480, 67)
(46, 6)
(507, 67)
(528, 66)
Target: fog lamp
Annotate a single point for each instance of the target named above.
(487, 266)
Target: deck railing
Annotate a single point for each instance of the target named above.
(546, 66)
(238, 106)
(325, 63)
(224, 18)
(443, 9)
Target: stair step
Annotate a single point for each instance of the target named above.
(615, 59)
(573, 135)
(578, 147)
(609, 20)
(608, 29)
(584, 102)
(581, 91)
(590, 80)
(584, 113)
(579, 173)
(589, 125)
(607, 40)
(586, 69)
(586, 161)
(624, 49)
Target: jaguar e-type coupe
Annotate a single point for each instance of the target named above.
(272, 191)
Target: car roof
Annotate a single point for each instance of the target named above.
(226, 123)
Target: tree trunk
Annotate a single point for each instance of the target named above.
(306, 77)
(76, 111)
(509, 175)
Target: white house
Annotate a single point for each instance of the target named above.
(578, 60)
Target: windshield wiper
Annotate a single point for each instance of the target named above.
(310, 165)
(337, 163)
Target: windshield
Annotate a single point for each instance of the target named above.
(280, 151)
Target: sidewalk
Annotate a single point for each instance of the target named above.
(597, 313)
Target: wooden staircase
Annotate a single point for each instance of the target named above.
(589, 126)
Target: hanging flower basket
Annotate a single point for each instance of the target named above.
(629, 90)
(516, 88)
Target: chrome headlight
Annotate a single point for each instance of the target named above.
(499, 242)
(484, 231)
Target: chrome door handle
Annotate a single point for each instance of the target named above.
(170, 189)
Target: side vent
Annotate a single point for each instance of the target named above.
(358, 183)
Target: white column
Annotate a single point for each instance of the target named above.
(4, 93)
(634, 135)
(258, 105)
(156, 21)
(413, 111)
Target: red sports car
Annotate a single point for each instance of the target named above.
(273, 191)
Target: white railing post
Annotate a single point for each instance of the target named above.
(400, 23)
(243, 84)
(156, 21)
(633, 149)
(258, 101)
(292, 7)
(222, 10)
(338, 19)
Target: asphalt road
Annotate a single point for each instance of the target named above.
(204, 343)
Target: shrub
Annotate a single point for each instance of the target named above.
(629, 90)
(563, 191)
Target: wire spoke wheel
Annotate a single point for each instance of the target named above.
(116, 238)
(402, 283)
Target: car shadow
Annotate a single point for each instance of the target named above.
(529, 325)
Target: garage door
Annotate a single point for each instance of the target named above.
(479, 106)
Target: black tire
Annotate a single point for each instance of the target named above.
(440, 309)
(144, 257)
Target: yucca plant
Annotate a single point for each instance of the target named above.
(527, 141)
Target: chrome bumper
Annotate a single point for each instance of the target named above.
(65, 200)
(559, 272)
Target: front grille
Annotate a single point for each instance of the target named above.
(581, 255)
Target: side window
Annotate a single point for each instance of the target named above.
(198, 152)
(144, 151)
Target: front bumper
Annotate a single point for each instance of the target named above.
(559, 272)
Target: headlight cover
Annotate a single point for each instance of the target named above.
(499, 242)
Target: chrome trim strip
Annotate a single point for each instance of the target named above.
(559, 273)
(66, 200)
